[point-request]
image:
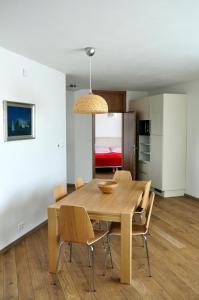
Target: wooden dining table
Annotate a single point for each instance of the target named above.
(116, 207)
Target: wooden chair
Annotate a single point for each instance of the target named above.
(79, 182)
(141, 209)
(122, 175)
(59, 191)
(75, 227)
(138, 229)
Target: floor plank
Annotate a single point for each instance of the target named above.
(35, 266)
(1, 276)
(10, 275)
(173, 248)
(25, 289)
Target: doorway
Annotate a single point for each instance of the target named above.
(114, 144)
(107, 144)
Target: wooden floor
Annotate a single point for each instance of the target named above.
(107, 173)
(173, 248)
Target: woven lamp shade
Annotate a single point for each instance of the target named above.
(90, 104)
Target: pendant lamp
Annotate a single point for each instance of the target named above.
(91, 103)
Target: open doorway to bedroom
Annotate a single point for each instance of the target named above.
(108, 144)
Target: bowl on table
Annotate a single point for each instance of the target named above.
(107, 187)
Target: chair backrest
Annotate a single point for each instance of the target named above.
(122, 175)
(79, 182)
(145, 197)
(74, 224)
(59, 191)
(149, 209)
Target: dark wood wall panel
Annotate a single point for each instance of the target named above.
(116, 100)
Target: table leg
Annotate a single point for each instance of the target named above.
(52, 240)
(126, 249)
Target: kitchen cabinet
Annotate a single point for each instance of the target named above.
(167, 159)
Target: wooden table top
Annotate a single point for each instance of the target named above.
(123, 200)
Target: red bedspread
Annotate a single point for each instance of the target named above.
(111, 159)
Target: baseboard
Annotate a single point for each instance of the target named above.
(165, 194)
(177, 193)
(23, 236)
(192, 197)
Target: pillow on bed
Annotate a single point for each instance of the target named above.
(102, 150)
(116, 149)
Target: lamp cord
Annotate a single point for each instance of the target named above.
(90, 76)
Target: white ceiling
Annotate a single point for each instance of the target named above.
(139, 44)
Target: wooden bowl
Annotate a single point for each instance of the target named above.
(107, 187)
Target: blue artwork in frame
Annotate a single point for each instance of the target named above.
(18, 121)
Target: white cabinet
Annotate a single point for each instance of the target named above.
(141, 106)
(144, 170)
(144, 147)
(156, 161)
(167, 162)
(156, 104)
(174, 143)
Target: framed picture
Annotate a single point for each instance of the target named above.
(18, 121)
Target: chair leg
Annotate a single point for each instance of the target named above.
(108, 251)
(107, 228)
(105, 258)
(143, 242)
(59, 251)
(108, 225)
(89, 257)
(103, 243)
(92, 269)
(70, 249)
(147, 254)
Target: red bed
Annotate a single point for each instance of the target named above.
(111, 159)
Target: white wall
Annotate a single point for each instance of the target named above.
(70, 132)
(192, 166)
(133, 95)
(30, 168)
(108, 126)
(79, 144)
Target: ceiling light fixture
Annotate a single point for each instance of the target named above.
(91, 103)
